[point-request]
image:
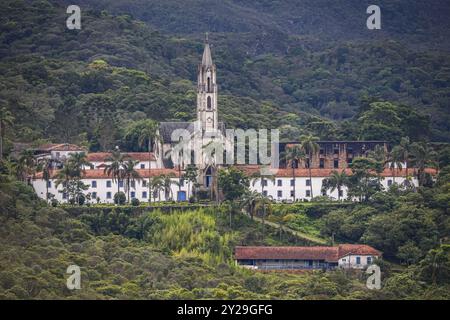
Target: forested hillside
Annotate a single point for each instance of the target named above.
(189, 254)
(87, 86)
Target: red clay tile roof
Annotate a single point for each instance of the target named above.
(102, 156)
(287, 172)
(60, 147)
(100, 174)
(330, 254)
(362, 249)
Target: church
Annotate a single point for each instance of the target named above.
(198, 142)
(206, 142)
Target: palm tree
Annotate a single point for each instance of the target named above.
(156, 186)
(46, 165)
(403, 150)
(421, 155)
(130, 175)
(190, 174)
(293, 155)
(149, 136)
(310, 147)
(395, 161)
(258, 176)
(335, 181)
(64, 177)
(115, 169)
(26, 165)
(167, 183)
(249, 201)
(6, 119)
(79, 162)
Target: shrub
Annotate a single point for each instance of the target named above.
(135, 202)
(120, 198)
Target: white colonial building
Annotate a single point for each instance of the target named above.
(170, 158)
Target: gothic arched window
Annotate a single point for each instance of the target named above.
(208, 103)
(209, 84)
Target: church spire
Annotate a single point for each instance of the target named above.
(207, 59)
(207, 112)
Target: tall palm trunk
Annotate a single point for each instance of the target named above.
(310, 176)
(293, 179)
(1, 141)
(149, 171)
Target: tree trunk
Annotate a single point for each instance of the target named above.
(310, 176)
(1, 141)
(149, 171)
(293, 179)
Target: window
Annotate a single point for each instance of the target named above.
(144, 194)
(64, 195)
(92, 167)
(321, 151)
(208, 103)
(94, 195)
(133, 194)
(389, 182)
(265, 193)
(292, 193)
(181, 182)
(209, 84)
(341, 193)
(344, 260)
(280, 193)
(144, 183)
(322, 163)
(264, 182)
(308, 182)
(94, 184)
(121, 184)
(369, 260)
(280, 182)
(308, 193)
(358, 260)
(292, 182)
(108, 195)
(108, 184)
(133, 184)
(49, 184)
(336, 150)
(336, 163)
(142, 165)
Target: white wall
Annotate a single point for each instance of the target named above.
(349, 261)
(154, 164)
(102, 189)
(301, 188)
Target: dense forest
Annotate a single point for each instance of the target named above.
(307, 67)
(189, 254)
(87, 86)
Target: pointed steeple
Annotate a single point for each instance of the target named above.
(207, 60)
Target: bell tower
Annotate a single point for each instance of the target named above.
(207, 113)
